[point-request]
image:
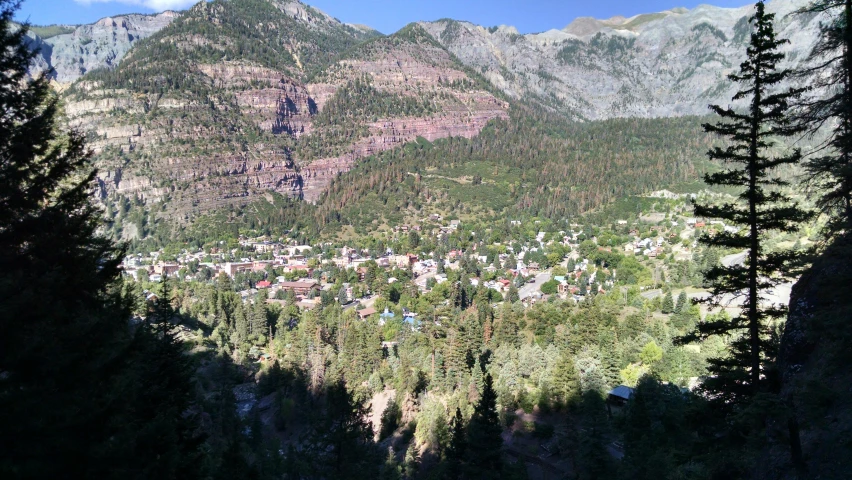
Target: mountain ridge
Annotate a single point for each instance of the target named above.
(652, 65)
(232, 100)
(218, 107)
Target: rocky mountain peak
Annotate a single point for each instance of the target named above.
(659, 64)
(99, 45)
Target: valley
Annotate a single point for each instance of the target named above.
(250, 240)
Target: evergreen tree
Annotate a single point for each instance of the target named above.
(830, 74)
(656, 431)
(566, 380)
(391, 470)
(258, 316)
(241, 326)
(682, 302)
(593, 459)
(340, 440)
(512, 295)
(73, 402)
(458, 446)
(477, 376)
(484, 443)
(165, 428)
(668, 304)
(412, 460)
(761, 209)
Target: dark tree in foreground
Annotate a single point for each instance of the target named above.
(657, 437)
(62, 326)
(166, 427)
(830, 74)
(484, 443)
(761, 209)
(593, 460)
(458, 446)
(340, 445)
(75, 396)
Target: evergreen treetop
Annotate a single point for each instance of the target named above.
(760, 208)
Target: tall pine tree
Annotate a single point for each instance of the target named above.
(457, 449)
(340, 442)
(761, 208)
(829, 73)
(73, 402)
(484, 443)
(165, 420)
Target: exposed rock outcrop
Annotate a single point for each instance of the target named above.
(814, 366)
(99, 45)
(241, 128)
(662, 64)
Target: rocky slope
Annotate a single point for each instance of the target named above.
(414, 71)
(219, 108)
(233, 99)
(814, 369)
(99, 45)
(669, 63)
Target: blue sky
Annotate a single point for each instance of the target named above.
(387, 16)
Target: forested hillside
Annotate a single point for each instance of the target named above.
(531, 164)
(212, 111)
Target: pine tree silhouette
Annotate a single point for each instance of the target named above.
(761, 208)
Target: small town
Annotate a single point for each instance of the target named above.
(422, 240)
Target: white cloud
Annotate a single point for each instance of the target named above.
(156, 5)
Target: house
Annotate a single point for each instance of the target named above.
(307, 304)
(296, 268)
(385, 316)
(301, 287)
(619, 395)
(232, 269)
(362, 273)
(263, 284)
(404, 261)
(363, 314)
(162, 268)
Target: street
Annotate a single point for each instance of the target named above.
(529, 288)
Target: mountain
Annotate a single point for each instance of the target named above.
(662, 64)
(233, 100)
(236, 99)
(71, 51)
(391, 91)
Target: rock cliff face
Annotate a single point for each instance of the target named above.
(814, 365)
(656, 65)
(230, 98)
(99, 45)
(390, 133)
(410, 65)
(169, 124)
